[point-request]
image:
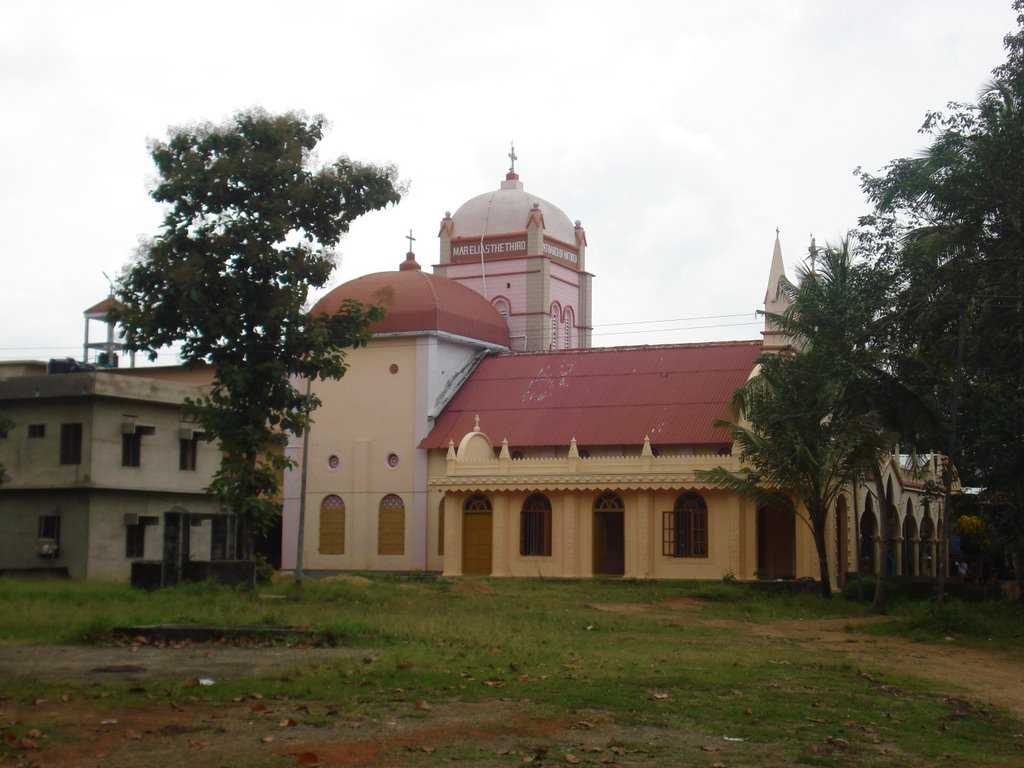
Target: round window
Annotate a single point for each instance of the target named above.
(333, 462)
(393, 368)
(392, 460)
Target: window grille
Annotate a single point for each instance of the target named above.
(685, 528)
(535, 526)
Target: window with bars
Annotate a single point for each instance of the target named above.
(70, 443)
(36, 431)
(135, 540)
(567, 323)
(685, 528)
(131, 446)
(556, 319)
(49, 527)
(535, 526)
(188, 453)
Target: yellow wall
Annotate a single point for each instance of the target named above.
(366, 415)
(648, 487)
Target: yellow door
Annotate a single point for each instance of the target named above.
(476, 543)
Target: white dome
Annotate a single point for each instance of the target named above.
(507, 210)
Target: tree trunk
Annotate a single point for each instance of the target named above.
(821, 546)
(1017, 558)
(952, 444)
(878, 605)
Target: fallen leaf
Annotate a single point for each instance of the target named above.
(288, 723)
(133, 735)
(267, 739)
(28, 744)
(35, 733)
(572, 759)
(661, 695)
(422, 705)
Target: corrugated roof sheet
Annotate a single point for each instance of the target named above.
(602, 396)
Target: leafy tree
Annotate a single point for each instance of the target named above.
(949, 227)
(249, 229)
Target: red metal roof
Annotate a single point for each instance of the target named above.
(601, 396)
(418, 301)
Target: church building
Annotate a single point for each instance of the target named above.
(480, 432)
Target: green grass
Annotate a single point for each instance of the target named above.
(539, 643)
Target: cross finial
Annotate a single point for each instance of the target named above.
(411, 240)
(776, 233)
(512, 156)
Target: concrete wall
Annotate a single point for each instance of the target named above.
(19, 530)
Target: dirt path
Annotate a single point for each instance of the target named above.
(989, 676)
(99, 663)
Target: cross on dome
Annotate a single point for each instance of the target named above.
(512, 156)
(411, 240)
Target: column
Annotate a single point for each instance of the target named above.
(453, 533)
(567, 515)
(500, 537)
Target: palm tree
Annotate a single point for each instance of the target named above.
(840, 311)
(800, 444)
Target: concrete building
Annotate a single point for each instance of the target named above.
(102, 469)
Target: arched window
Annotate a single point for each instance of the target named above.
(609, 502)
(332, 526)
(504, 308)
(567, 324)
(535, 526)
(440, 528)
(391, 526)
(556, 321)
(684, 531)
(477, 504)
(926, 551)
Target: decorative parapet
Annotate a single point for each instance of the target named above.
(474, 467)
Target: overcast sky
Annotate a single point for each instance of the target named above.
(681, 134)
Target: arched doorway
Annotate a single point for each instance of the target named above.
(609, 535)
(476, 536)
(776, 544)
(909, 561)
(867, 563)
(926, 550)
(842, 539)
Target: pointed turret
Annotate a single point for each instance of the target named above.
(775, 302)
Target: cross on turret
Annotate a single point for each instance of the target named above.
(512, 156)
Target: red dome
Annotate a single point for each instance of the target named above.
(417, 301)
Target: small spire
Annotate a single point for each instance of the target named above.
(646, 451)
(451, 449)
(476, 423)
(574, 451)
(504, 449)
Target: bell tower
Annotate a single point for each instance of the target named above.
(526, 257)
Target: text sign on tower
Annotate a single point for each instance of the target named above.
(498, 248)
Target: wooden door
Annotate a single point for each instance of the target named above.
(476, 543)
(776, 544)
(609, 542)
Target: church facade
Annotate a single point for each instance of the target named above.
(479, 433)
